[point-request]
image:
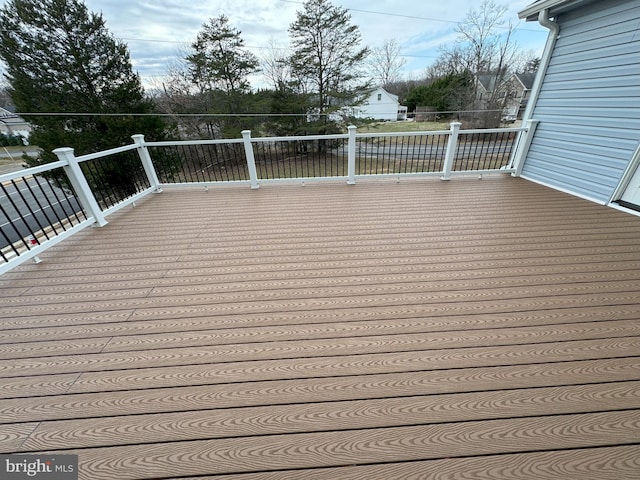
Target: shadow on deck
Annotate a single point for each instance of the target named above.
(414, 330)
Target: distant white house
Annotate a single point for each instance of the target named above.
(381, 105)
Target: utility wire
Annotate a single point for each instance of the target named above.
(412, 17)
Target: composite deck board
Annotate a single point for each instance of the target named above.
(340, 448)
(328, 389)
(135, 355)
(613, 463)
(125, 336)
(420, 329)
(98, 325)
(346, 286)
(455, 302)
(349, 415)
(409, 274)
(251, 278)
(310, 367)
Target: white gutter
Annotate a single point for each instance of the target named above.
(535, 8)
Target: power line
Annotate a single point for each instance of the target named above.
(385, 13)
(412, 17)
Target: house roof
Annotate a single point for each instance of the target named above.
(555, 7)
(526, 79)
(382, 90)
(487, 81)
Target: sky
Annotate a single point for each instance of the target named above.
(155, 30)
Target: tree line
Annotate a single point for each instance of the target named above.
(63, 63)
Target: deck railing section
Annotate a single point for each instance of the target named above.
(484, 151)
(300, 157)
(109, 180)
(41, 206)
(35, 208)
(401, 153)
(199, 161)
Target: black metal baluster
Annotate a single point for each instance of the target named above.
(10, 224)
(53, 210)
(41, 209)
(19, 217)
(69, 188)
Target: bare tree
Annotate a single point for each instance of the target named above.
(275, 65)
(486, 50)
(529, 62)
(175, 94)
(386, 63)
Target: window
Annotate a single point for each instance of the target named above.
(379, 96)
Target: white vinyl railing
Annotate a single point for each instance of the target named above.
(41, 206)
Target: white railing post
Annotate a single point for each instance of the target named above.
(351, 155)
(251, 160)
(452, 145)
(147, 163)
(80, 185)
(523, 147)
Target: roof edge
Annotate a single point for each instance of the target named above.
(531, 12)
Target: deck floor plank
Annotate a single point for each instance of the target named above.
(380, 445)
(612, 463)
(34, 358)
(327, 389)
(343, 415)
(232, 328)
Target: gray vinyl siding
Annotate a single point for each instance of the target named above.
(589, 104)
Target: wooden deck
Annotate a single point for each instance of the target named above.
(471, 329)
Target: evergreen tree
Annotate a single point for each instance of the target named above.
(327, 60)
(445, 94)
(219, 67)
(61, 59)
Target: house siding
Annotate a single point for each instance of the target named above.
(589, 104)
(384, 109)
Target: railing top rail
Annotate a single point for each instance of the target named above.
(106, 153)
(335, 136)
(171, 143)
(417, 133)
(494, 130)
(7, 177)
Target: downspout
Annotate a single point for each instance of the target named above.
(554, 29)
(523, 146)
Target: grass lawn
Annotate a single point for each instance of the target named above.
(395, 127)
